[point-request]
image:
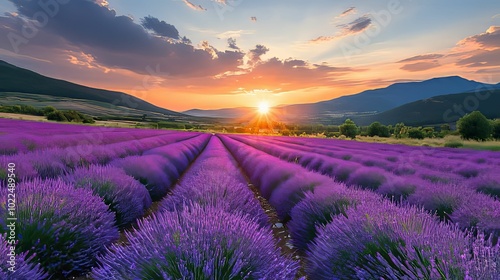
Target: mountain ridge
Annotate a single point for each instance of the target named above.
(373, 101)
(17, 79)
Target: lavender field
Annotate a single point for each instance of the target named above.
(112, 203)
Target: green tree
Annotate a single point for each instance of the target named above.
(496, 129)
(399, 130)
(349, 129)
(378, 129)
(416, 133)
(428, 131)
(48, 109)
(474, 126)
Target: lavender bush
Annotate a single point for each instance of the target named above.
(383, 241)
(125, 196)
(216, 190)
(25, 268)
(196, 243)
(319, 207)
(62, 228)
(150, 171)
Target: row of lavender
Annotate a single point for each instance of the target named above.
(64, 224)
(346, 232)
(211, 227)
(454, 197)
(24, 136)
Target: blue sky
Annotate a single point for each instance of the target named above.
(283, 51)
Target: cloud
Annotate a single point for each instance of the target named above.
(484, 58)
(421, 66)
(422, 57)
(255, 54)
(194, 6)
(103, 3)
(233, 33)
(356, 26)
(231, 42)
(488, 39)
(160, 28)
(254, 19)
(116, 41)
(351, 10)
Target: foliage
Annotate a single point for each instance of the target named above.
(349, 129)
(416, 133)
(62, 228)
(496, 129)
(453, 144)
(25, 267)
(21, 109)
(197, 243)
(474, 126)
(69, 116)
(125, 196)
(378, 129)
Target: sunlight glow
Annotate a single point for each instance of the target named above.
(263, 108)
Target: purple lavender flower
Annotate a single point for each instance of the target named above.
(62, 228)
(367, 178)
(125, 196)
(319, 207)
(442, 199)
(196, 243)
(25, 268)
(153, 171)
(378, 240)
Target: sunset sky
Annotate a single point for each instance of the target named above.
(184, 54)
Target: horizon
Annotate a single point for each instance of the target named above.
(230, 54)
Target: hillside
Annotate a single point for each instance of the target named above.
(438, 110)
(18, 80)
(366, 102)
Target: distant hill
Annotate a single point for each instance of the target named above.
(438, 110)
(232, 113)
(366, 102)
(18, 80)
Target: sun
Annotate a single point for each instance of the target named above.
(263, 108)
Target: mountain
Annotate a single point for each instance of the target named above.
(231, 113)
(439, 109)
(369, 101)
(18, 80)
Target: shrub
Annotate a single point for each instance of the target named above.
(125, 196)
(488, 185)
(440, 199)
(478, 211)
(468, 171)
(416, 133)
(217, 190)
(288, 194)
(474, 126)
(453, 144)
(63, 228)
(377, 129)
(153, 171)
(43, 162)
(367, 178)
(397, 188)
(196, 243)
(318, 208)
(378, 240)
(24, 268)
(496, 129)
(349, 129)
